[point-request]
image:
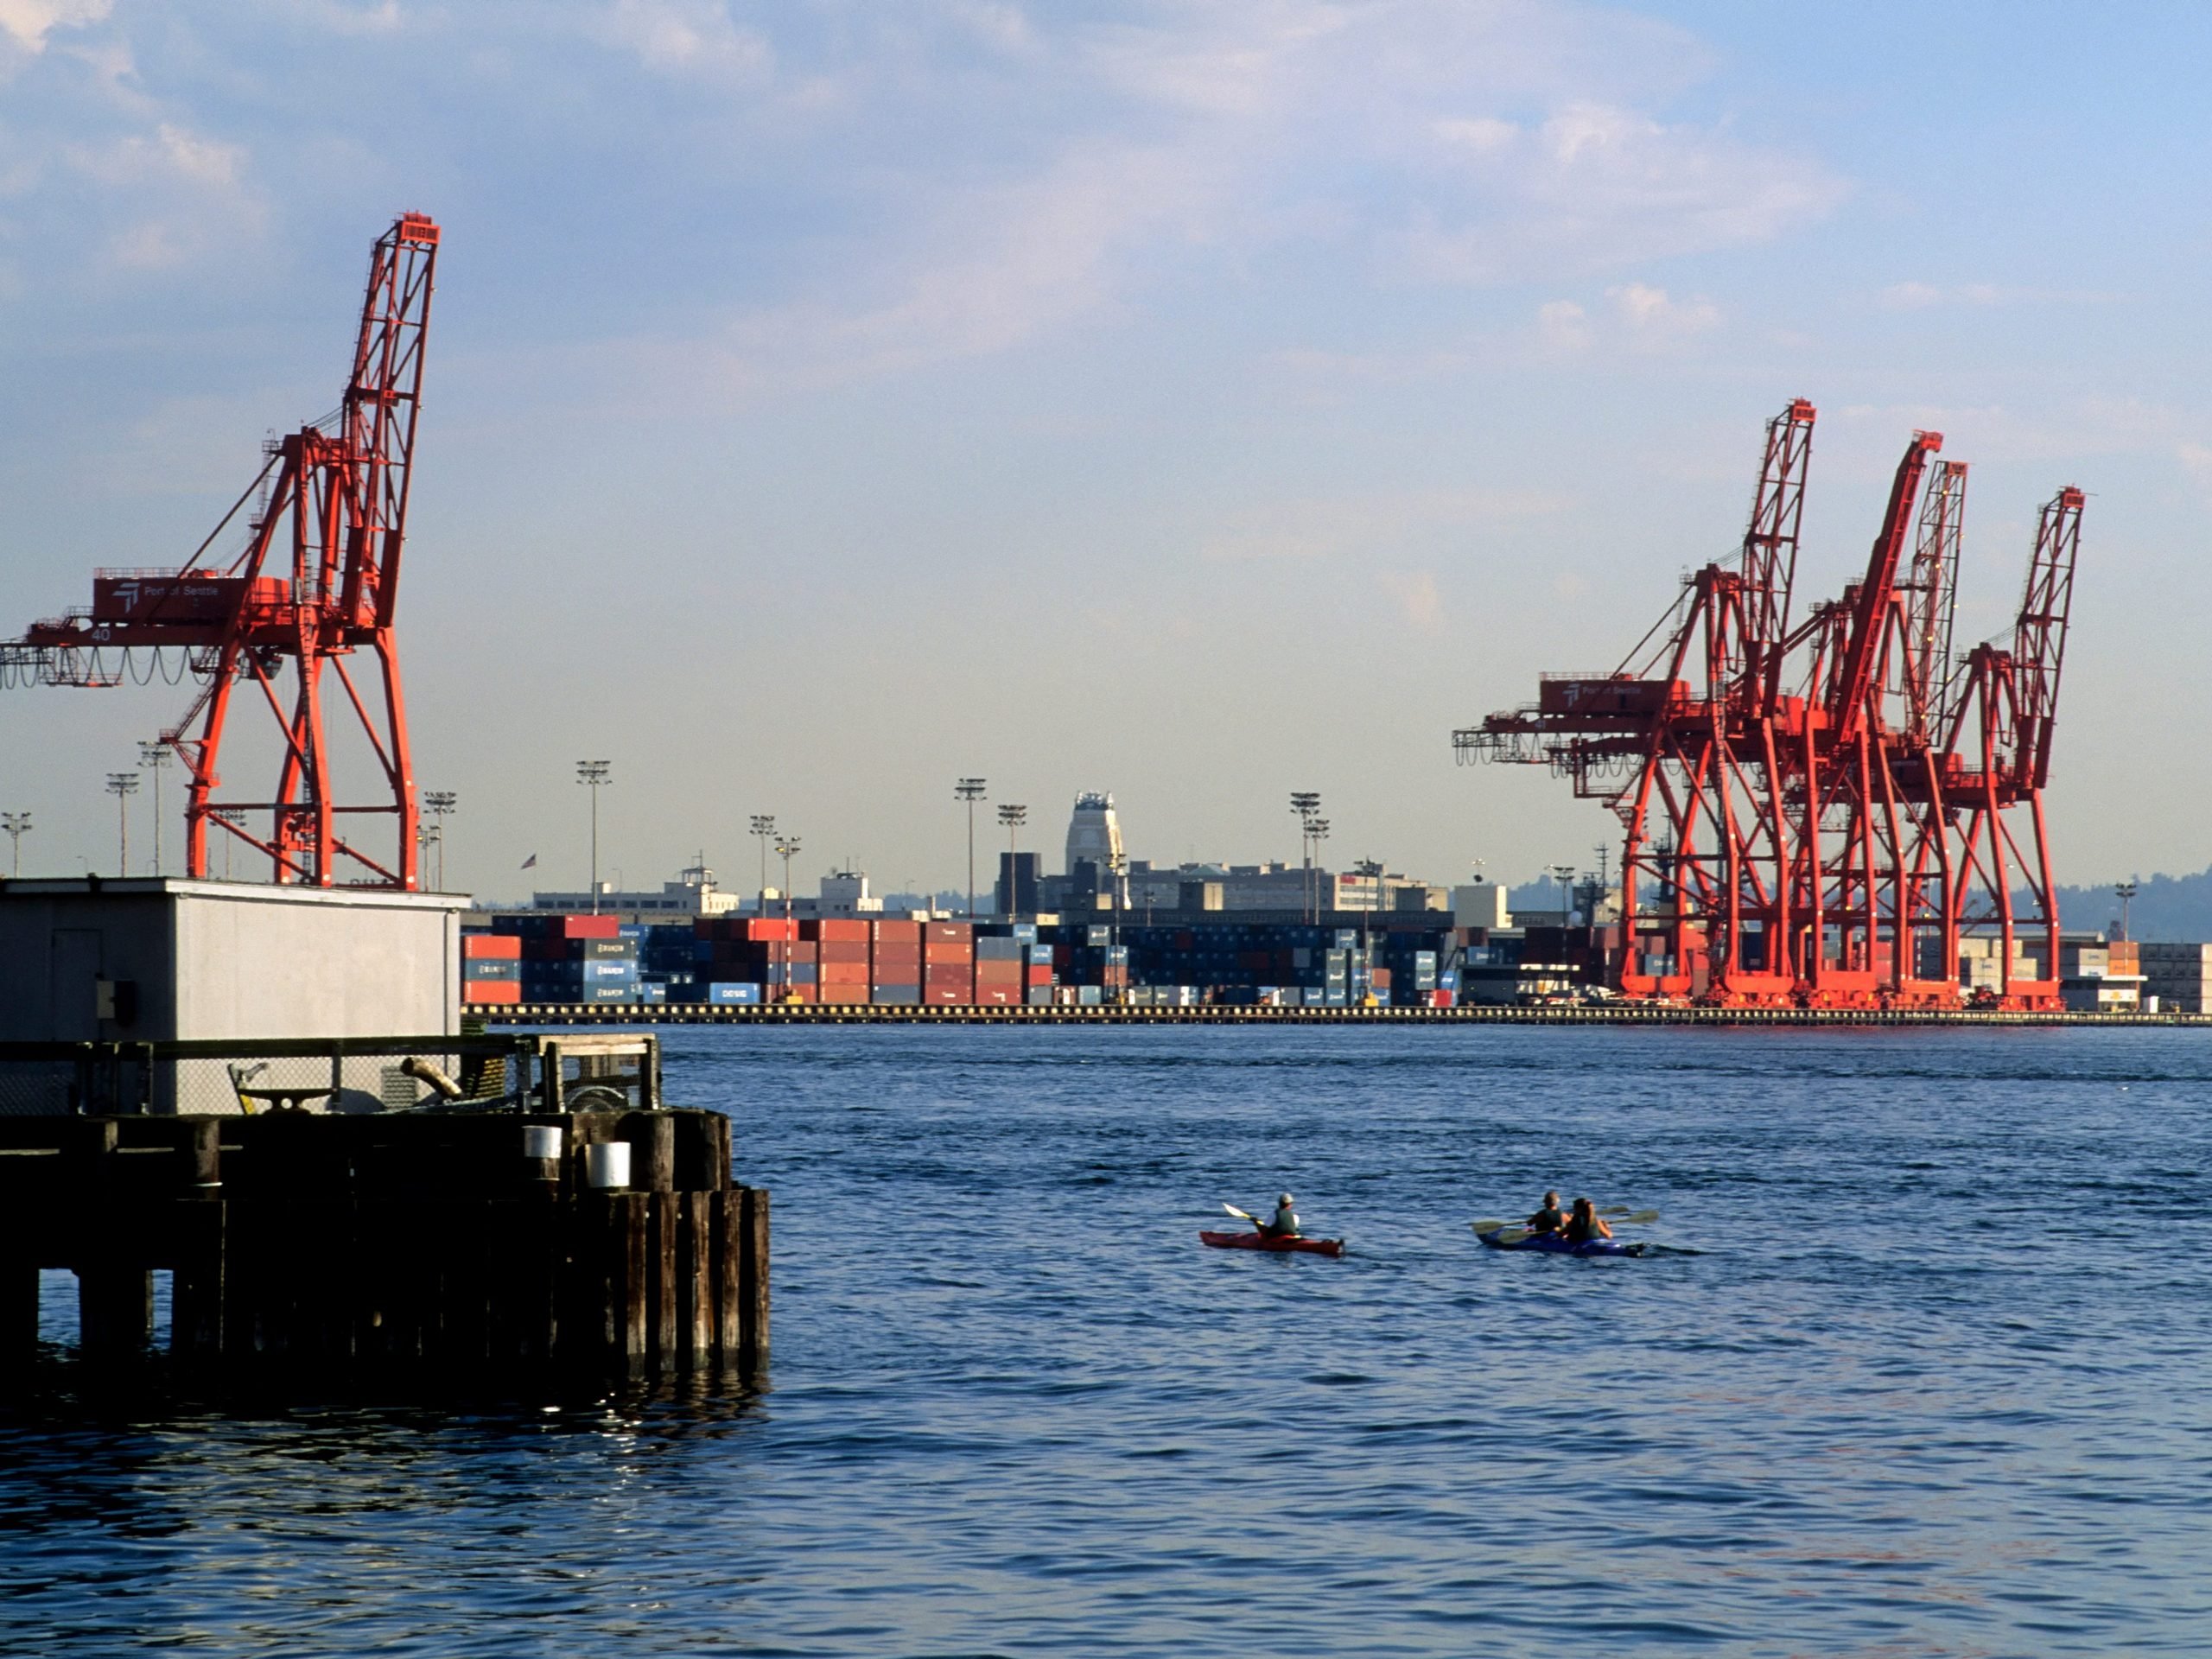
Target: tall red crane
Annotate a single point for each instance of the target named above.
(1815, 815)
(315, 586)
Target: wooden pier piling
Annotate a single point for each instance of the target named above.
(410, 1244)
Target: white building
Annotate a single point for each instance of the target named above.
(1095, 835)
(693, 894)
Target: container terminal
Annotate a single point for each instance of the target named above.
(1827, 813)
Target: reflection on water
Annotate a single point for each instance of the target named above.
(1933, 1384)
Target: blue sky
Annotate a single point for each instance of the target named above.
(1199, 402)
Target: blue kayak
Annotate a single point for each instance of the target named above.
(1558, 1244)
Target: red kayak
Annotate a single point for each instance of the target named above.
(1261, 1241)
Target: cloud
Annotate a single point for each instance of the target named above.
(28, 22)
(690, 39)
(1655, 319)
(1921, 296)
(1418, 602)
(1596, 185)
(1325, 528)
(1563, 326)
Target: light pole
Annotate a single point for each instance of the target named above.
(17, 825)
(155, 757)
(1115, 863)
(594, 776)
(123, 786)
(1012, 817)
(1565, 875)
(437, 803)
(228, 815)
(787, 848)
(764, 831)
(1317, 831)
(2125, 892)
(1305, 802)
(970, 789)
(1373, 872)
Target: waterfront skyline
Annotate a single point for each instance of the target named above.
(1195, 403)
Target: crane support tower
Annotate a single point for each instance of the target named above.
(315, 586)
(1826, 813)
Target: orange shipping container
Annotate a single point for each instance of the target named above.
(491, 990)
(843, 949)
(845, 930)
(897, 932)
(842, 973)
(947, 933)
(934, 953)
(844, 994)
(491, 947)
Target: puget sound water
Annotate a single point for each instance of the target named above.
(1924, 1372)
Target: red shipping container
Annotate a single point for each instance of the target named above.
(585, 927)
(999, 997)
(905, 955)
(896, 932)
(998, 973)
(844, 994)
(948, 953)
(947, 998)
(845, 930)
(940, 979)
(491, 990)
(491, 947)
(1039, 974)
(761, 928)
(948, 933)
(843, 950)
(842, 973)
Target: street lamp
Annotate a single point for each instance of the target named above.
(1012, 817)
(437, 803)
(1564, 874)
(1305, 802)
(594, 775)
(17, 825)
(764, 830)
(156, 757)
(2125, 892)
(787, 848)
(123, 786)
(969, 790)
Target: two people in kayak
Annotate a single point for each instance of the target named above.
(1580, 1226)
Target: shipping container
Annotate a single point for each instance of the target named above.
(935, 954)
(841, 973)
(727, 992)
(843, 950)
(896, 932)
(891, 996)
(844, 994)
(480, 969)
(491, 947)
(835, 929)
(947, 933)
(486, 991)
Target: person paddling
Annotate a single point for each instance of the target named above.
(1585, 1225)
(1547, 1219)
(1283, 1224)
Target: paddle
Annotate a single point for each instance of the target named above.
(1243, 1214)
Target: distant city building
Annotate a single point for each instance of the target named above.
(693, 893)
(1093, 837)
(844, 892)
(1015, 893)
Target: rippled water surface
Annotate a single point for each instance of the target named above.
(1924, 1372)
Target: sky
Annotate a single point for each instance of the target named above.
(831, 398)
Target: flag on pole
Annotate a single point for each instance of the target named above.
(531, 863)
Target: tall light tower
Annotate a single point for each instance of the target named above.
(594, 775)
(764, 831)
(1564, 874)
(787, 848)
(969, 790)
(123, 786)
(155, 757)
(17, 825)
(1012, 817)
(1305, 802)
(437, 803)
(1317, 831)
(2125, 892)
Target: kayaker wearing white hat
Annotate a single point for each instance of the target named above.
(1284, 1224)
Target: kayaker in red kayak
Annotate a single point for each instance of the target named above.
(1282, 1224)
(1585, 1225)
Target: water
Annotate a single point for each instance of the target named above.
(1933, 1382)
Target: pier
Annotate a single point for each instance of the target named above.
(443, 1246)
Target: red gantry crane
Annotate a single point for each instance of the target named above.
(315, 587)
(1826, 814)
